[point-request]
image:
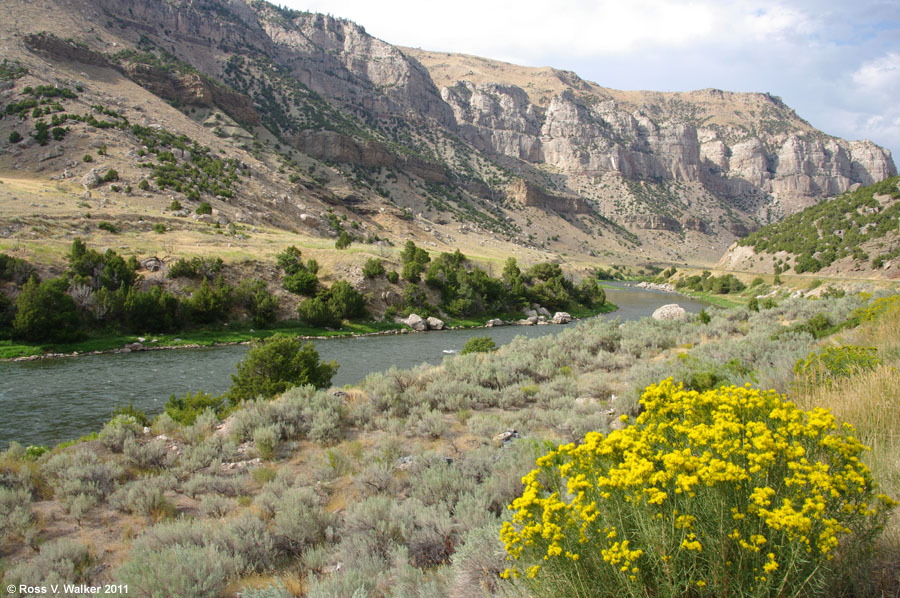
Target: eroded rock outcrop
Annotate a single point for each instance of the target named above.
(589, 134)
(192, 89)
(526, 194)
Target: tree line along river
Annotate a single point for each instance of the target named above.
(53, 400)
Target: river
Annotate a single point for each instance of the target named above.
(52, 400)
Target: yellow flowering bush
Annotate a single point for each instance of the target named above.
(729, 492)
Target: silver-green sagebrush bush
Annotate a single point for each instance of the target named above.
(299, 520)
(16, 517)
(144, 455)
(212, 451)
(117, 430)
(186, 571)
(59, 562)
(215, 506)
(144, 496)
(206, 483)
(81, 479)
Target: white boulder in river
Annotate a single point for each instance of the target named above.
(672, 311)
(435, 323)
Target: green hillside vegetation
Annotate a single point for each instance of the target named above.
(195, 172)
(405, 479)
(835, 229)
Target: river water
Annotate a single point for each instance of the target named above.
(52, 400)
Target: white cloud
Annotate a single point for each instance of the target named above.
(880, 76)
(532, 28)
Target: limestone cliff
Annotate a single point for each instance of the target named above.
(739, 145)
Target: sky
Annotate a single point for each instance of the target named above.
(836, 62)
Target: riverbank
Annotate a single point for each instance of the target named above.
(46, 401)
(238, 335)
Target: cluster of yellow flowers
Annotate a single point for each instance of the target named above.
(691, 493)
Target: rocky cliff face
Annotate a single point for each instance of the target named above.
(339, 60)
(589, 135)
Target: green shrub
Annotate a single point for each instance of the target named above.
(302, 282)
(209, 303)
(276, 364)
(87, 158)
(753, 304)
(144, 185)
(46, 313)
(203, 208)
(344, 240)
(703, 317)
(110, 176)
(412, 272)
(108, 270)
(155, 310)
(15, 137)
(159, 228)
(263, 475)
(41, 131)
(479, 344)
(373, 267)
(345, 302)
(393, 277)
(290, 260)
(196, 267)
(261, 305)
(186, 408)
(108, 227)
(680, 504)
(14, 269)
(316, 312)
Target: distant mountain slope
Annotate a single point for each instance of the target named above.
(856, 233)
(306, 123)
(742, 146)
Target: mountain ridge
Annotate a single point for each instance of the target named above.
(331, 119)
